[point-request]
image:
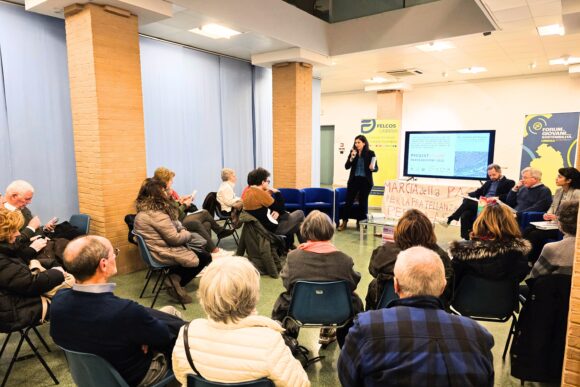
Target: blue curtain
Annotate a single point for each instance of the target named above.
(263, 124)
(36, 139)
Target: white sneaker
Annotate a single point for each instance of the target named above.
(443, 222)
(220, 253)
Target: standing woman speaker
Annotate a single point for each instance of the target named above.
(362, 162)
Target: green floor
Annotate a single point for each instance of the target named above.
(30, 372)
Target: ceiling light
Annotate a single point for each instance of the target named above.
(435, 46)
(472, 70)
(566, 60)
(215, 31)
(375, 80)
(552, 29)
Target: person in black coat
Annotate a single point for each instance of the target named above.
(21, 289)
(362, 162)
(497, 185)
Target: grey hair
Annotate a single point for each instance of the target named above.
(534, 172)
(419, 272)
(568, 217)
(227, 173)
(495, 167)
(317, 227)
(229, 289)
(20, 187)
(83, 254)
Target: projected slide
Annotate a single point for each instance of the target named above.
(456, 154)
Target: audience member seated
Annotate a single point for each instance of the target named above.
(234, 344)
(529, 194)
(135, 340)
(569, 182)
(496, 250)
(25, 286)
(413, 229)
(497, 186)
(168, 241)
(200, 222)
(558, 257)
(267, 205)
(317, 260)
(230, 204)
(414, 342)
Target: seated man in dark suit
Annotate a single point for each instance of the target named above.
(135, 340)
(497, 185)
(530, 194)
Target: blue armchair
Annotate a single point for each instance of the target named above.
(293, 197)
(318, 199)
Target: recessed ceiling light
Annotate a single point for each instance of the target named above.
(472, 70)
(435, 46)
(375, 80)
(215, 31)
(566, 60)
(552, 29)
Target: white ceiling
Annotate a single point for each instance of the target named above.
(515, 48)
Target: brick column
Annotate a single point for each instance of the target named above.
(292, 115)
(107, 112)
(571, 371)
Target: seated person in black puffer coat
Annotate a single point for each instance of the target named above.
(496, 249)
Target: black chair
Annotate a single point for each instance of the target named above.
(388, 294)
(154, 267)
(211, 205)
(89, 370)
(321, 304)
(488, 300)
(24, 336)
(196, 381)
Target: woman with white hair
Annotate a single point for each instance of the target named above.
(234, 344)
(229, 203)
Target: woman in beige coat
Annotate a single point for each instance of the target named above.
(234, 344)
(167, 240)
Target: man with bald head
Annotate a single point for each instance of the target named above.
(135, 340)
(413, 341)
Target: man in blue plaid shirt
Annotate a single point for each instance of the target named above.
(414, 342)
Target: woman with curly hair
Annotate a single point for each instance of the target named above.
(496, 249)
(166, 238)
(412, 229)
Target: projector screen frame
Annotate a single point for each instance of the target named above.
(490, 156)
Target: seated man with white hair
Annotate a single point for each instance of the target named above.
(19, 194)
(414, 342)
(530, 194)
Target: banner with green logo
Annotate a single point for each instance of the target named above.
(383, 137)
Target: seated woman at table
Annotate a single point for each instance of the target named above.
(412, 229)
(568, 181)
(496, 249)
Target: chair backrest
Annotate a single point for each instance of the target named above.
(196, 381)
(340, 195)
(145, 253)
(321, 303)
(388, 294)
(483, 298)
(312, 195)
(531, 216)
(292, 195)
(210, 203)
(81, 221)
(90, 370)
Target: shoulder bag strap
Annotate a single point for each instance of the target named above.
(186, 342)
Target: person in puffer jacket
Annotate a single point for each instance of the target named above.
(235, 344)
